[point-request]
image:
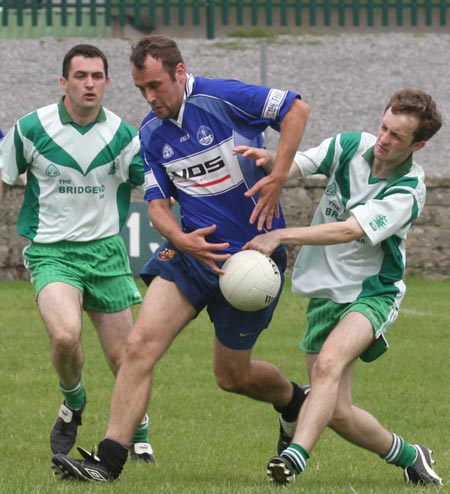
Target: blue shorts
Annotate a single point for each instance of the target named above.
(234, 328)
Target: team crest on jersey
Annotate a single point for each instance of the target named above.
(166, 254)
(378, 223)
(167, 151)
(331, 190)
(205, 135)
(52, 171)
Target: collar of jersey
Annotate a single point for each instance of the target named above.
(67, 119)
(187, 92)
(401, 170)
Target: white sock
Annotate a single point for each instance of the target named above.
(288, 427)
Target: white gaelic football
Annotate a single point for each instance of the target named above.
(251, 280)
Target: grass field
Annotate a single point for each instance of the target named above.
(209, 442)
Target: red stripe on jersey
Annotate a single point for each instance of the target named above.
(214, 182)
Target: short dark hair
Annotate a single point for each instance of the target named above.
(160, 48)
(421, 105)
(87, 51)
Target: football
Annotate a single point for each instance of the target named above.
(251, 280)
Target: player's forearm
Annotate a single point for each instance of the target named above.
(292, 129)
(325, 234)
(269, 163)
(163, 220)
(294, 172)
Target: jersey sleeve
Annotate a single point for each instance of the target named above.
(157, 184)
(128, 152)
(326, 158)
(256, 107)
(317, 160)
(12, 160)
(390, 214)
(136, 165)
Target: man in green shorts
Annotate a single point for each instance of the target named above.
(351, 267)
(81, 161)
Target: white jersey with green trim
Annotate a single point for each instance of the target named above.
(384, 207)
(79, 178)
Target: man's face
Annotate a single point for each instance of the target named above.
(395, 138)
(85, 85)
(164, 94)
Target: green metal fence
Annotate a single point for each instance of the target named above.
(66, 15)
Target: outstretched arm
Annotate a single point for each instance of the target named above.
(269, 188)
(338, 232)
(266, 160)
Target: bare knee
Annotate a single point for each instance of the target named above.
(115, 360)
(136, 346)
(65, 341)
(142, 349)
(327, 367)
(230, 382)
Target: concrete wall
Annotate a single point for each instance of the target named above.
(428, 242)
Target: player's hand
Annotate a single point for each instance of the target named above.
(262, 157)
(265, 243)
(267, 207)
(195, 244)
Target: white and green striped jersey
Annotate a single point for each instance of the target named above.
(384, 207)
(79, 178)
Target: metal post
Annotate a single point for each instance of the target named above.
(264, 63)
(210, 18)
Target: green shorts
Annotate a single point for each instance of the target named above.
(323, 316)
(99, 269)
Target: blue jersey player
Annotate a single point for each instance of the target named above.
(188, 142)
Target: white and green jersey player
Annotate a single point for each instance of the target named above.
(77, 196)
(81, 162)
(384, 207)
(79, 178)
(369, 269)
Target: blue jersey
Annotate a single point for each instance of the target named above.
(191, 159)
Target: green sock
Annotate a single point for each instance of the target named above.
(297, 455)
(141, 434)
(75, 396)
(401, 453)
